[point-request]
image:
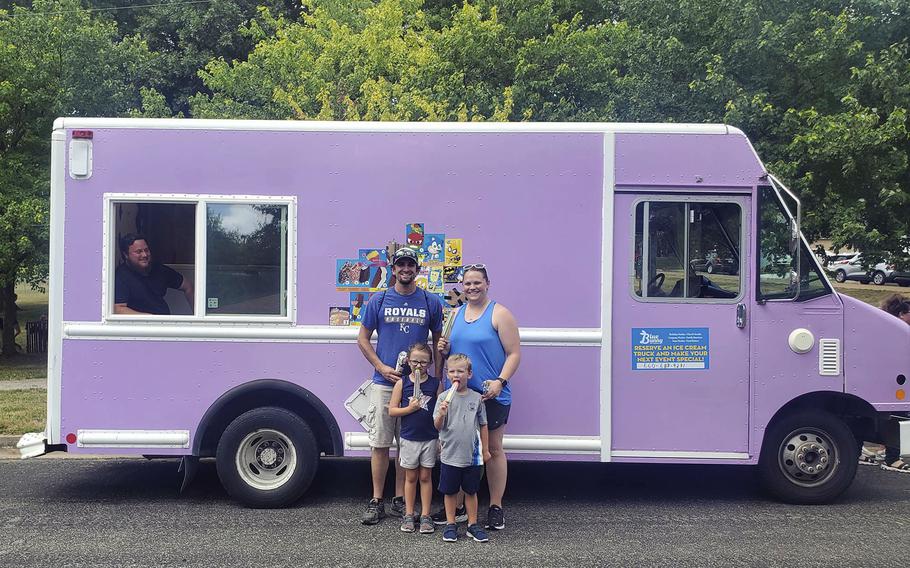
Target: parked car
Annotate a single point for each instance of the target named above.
(841, 266)
(852, 268)
(712, 263)
(900, 277)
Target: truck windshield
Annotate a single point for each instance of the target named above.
(776, 263)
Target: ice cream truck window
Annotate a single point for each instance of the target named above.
(246, 253)
(776, 260)
(166, 234)
(219, 258)
(688, 251)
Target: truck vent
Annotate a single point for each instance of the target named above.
(829, 357)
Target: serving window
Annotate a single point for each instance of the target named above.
(199, 258)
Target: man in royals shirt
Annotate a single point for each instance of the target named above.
(401, 316)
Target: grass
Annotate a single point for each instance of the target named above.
(869, 293)
(22, 411)
(32, 305)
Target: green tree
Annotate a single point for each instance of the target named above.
(55, 60)
(185, 37)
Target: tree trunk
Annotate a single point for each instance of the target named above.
(9, 318)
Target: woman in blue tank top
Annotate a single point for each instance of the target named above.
(487, 332)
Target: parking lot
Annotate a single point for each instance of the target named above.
(127, 512)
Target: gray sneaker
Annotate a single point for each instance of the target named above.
(397, 508)
(426, 525)
(407, 523)
(375, 511)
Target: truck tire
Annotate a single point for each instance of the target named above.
(808, 458)
(267, 457)
(878, 278)
(840, 276)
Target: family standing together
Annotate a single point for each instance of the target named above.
(461, 426)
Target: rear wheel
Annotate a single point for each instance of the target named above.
(840, 276)
(267, 458)
(808, 458)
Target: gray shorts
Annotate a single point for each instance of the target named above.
(384, 429)
(411, 453)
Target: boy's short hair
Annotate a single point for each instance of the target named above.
(460, 357)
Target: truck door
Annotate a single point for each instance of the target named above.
(680, 338)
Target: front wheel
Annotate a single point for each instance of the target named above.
(267, 458)
(878, 278)
(808, 458)
(840, 276)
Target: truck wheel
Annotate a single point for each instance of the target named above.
(267, 457)
(808, 458)
(878, 278)
(840, 276)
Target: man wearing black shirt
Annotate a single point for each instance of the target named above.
(140, 284)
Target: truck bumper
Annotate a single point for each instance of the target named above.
(904, 434)
(895, 432)
(32, 445)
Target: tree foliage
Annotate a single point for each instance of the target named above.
(55, 60)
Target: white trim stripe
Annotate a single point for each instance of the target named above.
(606, 299)
(133, 438)
(680, 455)
(171, 330)
(353, 126)
(55, 287)
(511, 443)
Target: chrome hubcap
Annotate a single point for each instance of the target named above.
(266, 459)
(808, 457)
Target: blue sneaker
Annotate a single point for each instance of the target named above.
(450, 534)
(476, 532)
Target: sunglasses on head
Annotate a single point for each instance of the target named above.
(478, 266)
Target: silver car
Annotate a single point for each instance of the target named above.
(851, 268)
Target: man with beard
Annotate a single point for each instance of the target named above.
(401, 316)
(140, 284)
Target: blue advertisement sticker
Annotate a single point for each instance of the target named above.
(670, 348)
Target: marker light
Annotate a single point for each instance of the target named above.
(83, 134)
(900, 394)
(70, 438)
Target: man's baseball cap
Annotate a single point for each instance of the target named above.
(404, 253)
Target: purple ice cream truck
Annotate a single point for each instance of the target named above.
(596, 237)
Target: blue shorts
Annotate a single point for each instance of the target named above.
(452, 478)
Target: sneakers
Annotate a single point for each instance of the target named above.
(397, 508)
(426, 525)
(407, 523)
(495, 518)
(375, 511)
(439, 517)
(450, 534)
(476, 532)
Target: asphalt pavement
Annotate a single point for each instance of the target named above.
(127, 512)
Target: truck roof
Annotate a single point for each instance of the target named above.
(354, 126)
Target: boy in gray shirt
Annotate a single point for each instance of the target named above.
(461, 419)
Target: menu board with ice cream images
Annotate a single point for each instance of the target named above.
(367, 271)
